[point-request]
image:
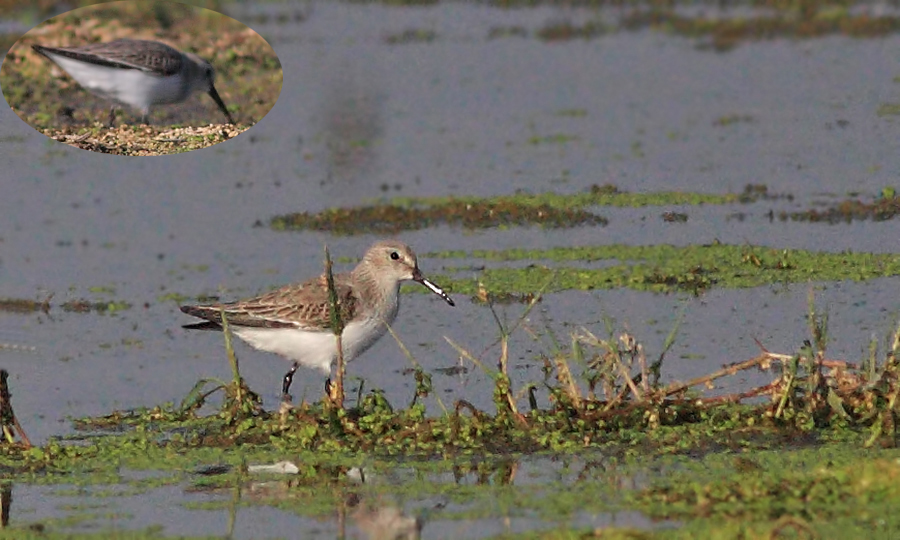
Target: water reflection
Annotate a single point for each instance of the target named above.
(498, 473)
(354, 494)
(353, 124)
(385, 521)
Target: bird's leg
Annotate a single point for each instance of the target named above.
(112, 116)
(286, 382)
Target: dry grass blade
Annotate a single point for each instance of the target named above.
(412, 360)
(789, 378)
(818, 325)
(501, 381)
(504, 383)
(895, 349)
(406, 353)
(567, 381)
(467, 355)
(613, 354)
(656, 367)
(761, 360)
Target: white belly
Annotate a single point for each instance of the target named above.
(317, 350)
(130, 86)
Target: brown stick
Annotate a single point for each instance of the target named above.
(738, 396)
(7, 416)
(675, 388)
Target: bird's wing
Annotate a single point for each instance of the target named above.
(150, 56)
(304, 306)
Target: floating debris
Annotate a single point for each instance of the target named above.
(24, 305)
(17, 347)
(411, 36)
(565, 31)
(675, 217)
(282, 467)
(84, 306)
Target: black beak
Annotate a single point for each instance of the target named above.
(418, 277)
(215, 95)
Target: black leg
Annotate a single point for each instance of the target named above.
(286, 382)
(328, 387)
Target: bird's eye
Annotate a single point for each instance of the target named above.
(395, 256)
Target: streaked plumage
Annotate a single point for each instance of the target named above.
(295, 320)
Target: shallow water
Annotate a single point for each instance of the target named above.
(465, 506)
(360, 118)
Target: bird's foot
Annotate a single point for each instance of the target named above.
(286, 382)
(286, 405)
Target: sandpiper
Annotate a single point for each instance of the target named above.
(136, 72)
(295, 320)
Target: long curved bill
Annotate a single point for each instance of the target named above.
(215, 95)
(418, 277)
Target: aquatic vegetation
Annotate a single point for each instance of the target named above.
(391, 219)
(603, 392)
(551, 210)
(411, 36)
(662, 268)
(794, 20)
(882, 208)
(24, 305)
(566, 31)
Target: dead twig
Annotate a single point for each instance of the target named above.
(8, 422)
(760, 360)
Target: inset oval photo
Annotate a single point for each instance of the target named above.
(141, 78)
